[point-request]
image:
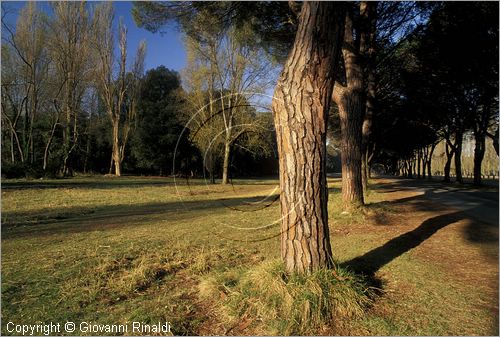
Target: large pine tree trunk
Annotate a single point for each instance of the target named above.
(351, 101)
(350, 126)
(300, 105)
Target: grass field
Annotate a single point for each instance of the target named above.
(113, 250)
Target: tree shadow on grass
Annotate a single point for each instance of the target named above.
(375, 259)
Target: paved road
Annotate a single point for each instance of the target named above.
(478, 203)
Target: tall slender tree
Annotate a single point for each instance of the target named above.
(69, 45)
(119, 93)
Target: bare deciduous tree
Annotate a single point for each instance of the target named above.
(119, 93)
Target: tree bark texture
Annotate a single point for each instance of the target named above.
(351, 101)
(300, 106)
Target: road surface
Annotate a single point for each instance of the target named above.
(479, 203)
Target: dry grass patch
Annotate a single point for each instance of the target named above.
(286, 304)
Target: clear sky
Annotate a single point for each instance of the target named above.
(166, 49)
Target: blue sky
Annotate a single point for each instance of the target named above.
(162, 49)
(166, 49)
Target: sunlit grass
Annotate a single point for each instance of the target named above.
(276, 303)
(118, 250)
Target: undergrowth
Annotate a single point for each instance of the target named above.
(281, 304)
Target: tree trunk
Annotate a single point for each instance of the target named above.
(419, 157)
(110, 171)
(209, 164)
(447, 166)
(479, 148)
(351, 101)
(350, 125)
(225, 165)
(12, 157)
(87, 152)
(364, 170)
(495, 141)
(429, 162)
(300, 105)
(424, 161)
(49, 143)
(458, 157)
(116, 148)
(67, 128)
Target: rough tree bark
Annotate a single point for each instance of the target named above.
(351, 100)
(300, 105)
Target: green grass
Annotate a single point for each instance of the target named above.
(142, 249)
(276, 303)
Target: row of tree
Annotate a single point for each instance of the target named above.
(445, 87)
(59, 72)
(383, 81)
(397, 77)
(70, 102)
